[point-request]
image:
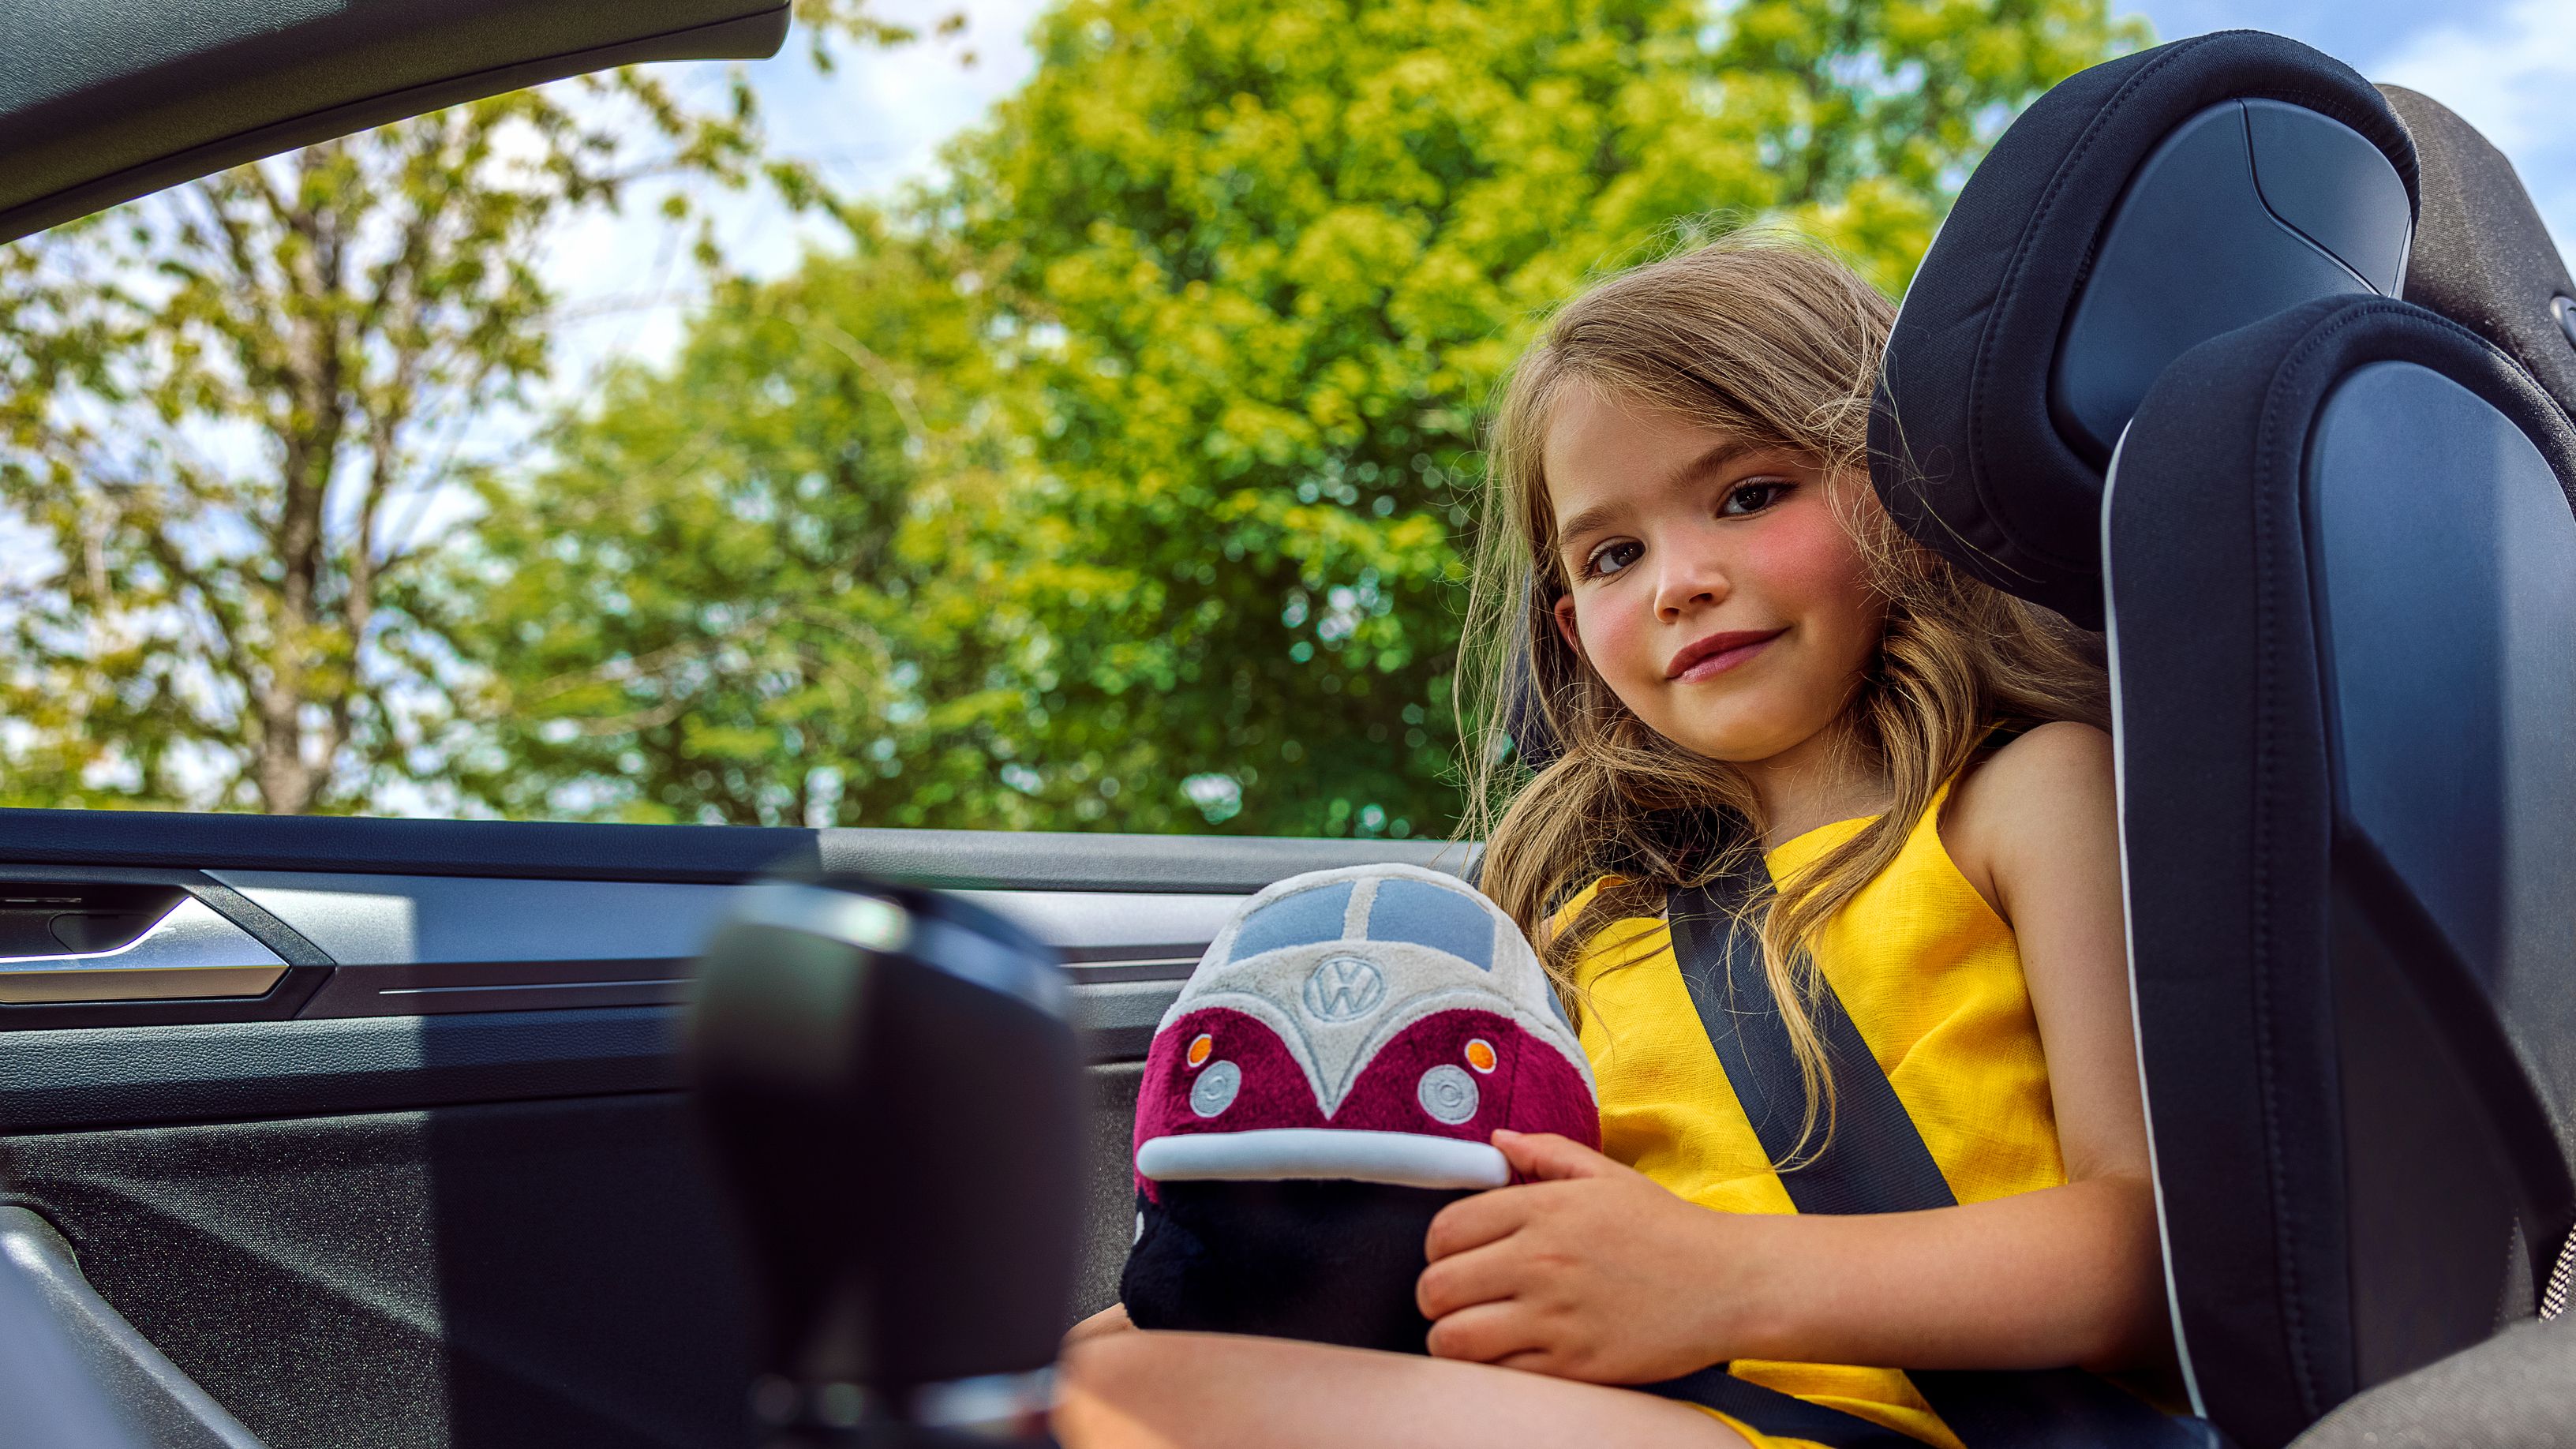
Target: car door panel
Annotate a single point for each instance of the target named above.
(453, 1194)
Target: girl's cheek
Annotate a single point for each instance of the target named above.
(1611, 628)
(1807, 557)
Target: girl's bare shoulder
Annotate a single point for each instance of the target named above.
(2044, 794)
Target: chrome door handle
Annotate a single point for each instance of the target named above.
(190, 954)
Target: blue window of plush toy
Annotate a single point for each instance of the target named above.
(1433, 916)
(1297, 920)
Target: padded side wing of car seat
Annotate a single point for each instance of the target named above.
(1969, 446)
(2482, 255)
(2289, 1242)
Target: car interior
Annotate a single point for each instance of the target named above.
(345, 1131)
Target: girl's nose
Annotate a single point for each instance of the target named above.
(1687, 585)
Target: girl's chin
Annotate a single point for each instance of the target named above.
(1740, 741)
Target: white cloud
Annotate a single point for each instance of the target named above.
(2508, 75)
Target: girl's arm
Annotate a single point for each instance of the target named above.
(1597, 1273)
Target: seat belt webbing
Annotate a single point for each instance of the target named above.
(1780, 1415)
(1875, 1161)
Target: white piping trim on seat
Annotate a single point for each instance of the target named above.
(2129, 934)
(1404, 1159)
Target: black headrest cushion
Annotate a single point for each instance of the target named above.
(1964, 450)
(2482, 256)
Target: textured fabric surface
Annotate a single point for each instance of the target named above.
(505, 1276)
(2482, 255)
(1528, 1087)
(1297, 919)
(2515, 1391)
(1422, 1013)
(2227, 827)
(1434, 916)
(1963, 449)
(1332, 1004)
(1932, 979)
(1331, 1262)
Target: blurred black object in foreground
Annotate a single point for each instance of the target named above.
(896, 1094)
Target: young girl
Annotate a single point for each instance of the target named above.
(1723, 626)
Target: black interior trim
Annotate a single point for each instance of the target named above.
(437, 988)
(719, 854)
(138, 121)
(47, 1395)
(149, 1391)
(66, 1078)
(54, 1081)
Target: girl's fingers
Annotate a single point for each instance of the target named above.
(1547, 1157)
(1472, 1222)
(1486, 1275)
(1485, 1333)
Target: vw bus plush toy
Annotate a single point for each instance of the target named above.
(1329, 1079)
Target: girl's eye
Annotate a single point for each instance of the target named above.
(1752, 496)
(1610, 558)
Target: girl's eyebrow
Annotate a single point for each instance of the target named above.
(1715, 460)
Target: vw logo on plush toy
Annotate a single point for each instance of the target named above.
(1344, 988)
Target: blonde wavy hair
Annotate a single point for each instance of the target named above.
(1773, 340)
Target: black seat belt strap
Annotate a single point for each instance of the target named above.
(1771, 1412)
(1874, 1161)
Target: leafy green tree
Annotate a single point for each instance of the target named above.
(754, 588)
(1290, 251)
(1248, 273)
(231, 413)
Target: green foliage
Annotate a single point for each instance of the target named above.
(746, 591)
(229, 414)
(1198, 329)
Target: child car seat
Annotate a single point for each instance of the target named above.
(2153, 374)
(2482, 255)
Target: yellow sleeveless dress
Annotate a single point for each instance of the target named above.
(1930, 975)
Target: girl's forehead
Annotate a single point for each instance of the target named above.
(1602, 451)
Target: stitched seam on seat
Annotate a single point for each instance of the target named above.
(2337, 107)
(2022, 251)
(2285, 379)
(2283, 1239)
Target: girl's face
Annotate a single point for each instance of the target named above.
(1714, 589)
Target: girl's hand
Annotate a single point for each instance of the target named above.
(1590, 1272)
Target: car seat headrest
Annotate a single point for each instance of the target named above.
(2134, 211)
(2482, 257)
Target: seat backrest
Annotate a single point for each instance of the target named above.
(2331, 538)
(2340, 556)
(2482, 255)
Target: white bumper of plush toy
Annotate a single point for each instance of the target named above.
(1404, 1159)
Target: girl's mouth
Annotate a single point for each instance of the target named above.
(1710, 657)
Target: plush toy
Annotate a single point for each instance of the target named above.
(1329, 1079)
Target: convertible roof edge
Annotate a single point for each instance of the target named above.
(742, 37)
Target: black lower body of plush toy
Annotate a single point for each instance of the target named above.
(1330, 1262)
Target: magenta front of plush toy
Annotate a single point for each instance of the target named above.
(1330, 1077)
